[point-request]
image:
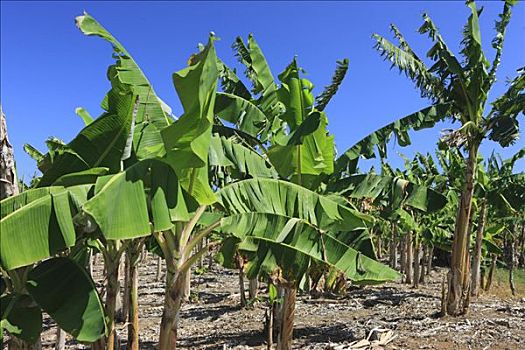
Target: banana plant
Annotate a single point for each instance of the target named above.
(150, 116)
(98, 149)
(464, 87)
(500, 191)
(405, 198)
(36, 279)
(290, 128)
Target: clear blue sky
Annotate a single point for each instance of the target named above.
(48, 68)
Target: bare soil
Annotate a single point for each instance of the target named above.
(215, 320)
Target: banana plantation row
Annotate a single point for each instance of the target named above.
(250, 174)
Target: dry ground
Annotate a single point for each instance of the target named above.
(214, 320)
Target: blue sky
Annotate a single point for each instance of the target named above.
(48, 68)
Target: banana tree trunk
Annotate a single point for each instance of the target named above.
(120, 299)
(113, 287)
(409, 257)
(509, 256)
(127, 288)
(201, 246)
(286, 334)
(133, 319)
(429, 260)
(458, 279)
(424, 265)
(172, 304)
(491, 272)
(417, 263)
(521, 248)
(253, 288)
(186, 292)
(476, 259)
(278, 313)
(269, 327)
(393, 248)
(242, 291)
(403, 254)
(379, 248)
(112, 255)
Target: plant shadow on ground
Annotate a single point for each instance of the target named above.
(386, 296)
(218, 341)
(211, 298)
(209, 313)
(332, 333)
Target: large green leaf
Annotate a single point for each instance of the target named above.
(271, 196)
(257, 69)
(35, 225)
(66, 292)
(153, 114)
(265, 88)
(246, 116)
(82, 177)
(385, 188)
(120, 204)
(504, 125)
(100, 144)
(240, 160)
(288, 237)
(425, 118)
(187, 140)
(404, 58)
(119, 207)
(507, 195)
(497, 42)
(308, 150)
(230, 82)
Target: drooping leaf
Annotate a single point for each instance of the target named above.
(120, 204)
(410, 64)
(271, 196)
(66, 292)
(425, 118)
(289, 236)
(504, 125)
